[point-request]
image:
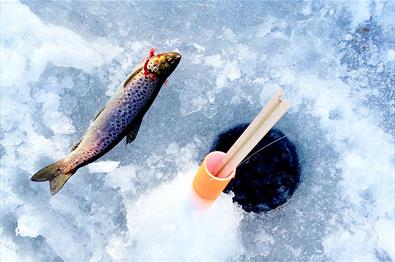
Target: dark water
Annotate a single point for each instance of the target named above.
(269, 176)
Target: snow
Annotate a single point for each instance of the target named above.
(165, 232)
(61, 61)
(44, 43)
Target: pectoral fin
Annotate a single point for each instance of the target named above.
(75, 145)
(132, 132)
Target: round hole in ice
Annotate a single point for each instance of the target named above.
(267, 179)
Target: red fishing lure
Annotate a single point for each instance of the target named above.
(146, 72)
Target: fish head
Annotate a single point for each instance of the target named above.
(162, 65)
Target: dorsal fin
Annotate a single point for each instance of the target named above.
(75, 145)
(101, 110)
(79, 141)
(131, 76)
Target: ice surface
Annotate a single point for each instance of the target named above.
(60, 62)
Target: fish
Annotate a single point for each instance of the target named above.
(121, 117)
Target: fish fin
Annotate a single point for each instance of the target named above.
(132, 132)
(132, 75)
(101, 110)
(54, 174)
(48, 172)
(79, 141)
(75, 145)
(56, 183)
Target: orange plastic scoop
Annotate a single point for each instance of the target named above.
(206, 184)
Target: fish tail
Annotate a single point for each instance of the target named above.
(56, 174)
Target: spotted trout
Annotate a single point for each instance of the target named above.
(121, 117)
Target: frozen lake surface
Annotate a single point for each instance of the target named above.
(61, 61)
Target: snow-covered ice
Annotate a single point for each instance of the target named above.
(61, 61)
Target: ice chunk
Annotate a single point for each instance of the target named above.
(28, 226)
(121, 178)
(103, 166)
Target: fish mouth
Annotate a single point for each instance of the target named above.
(161, 65)
(173, 59)
(175, 55)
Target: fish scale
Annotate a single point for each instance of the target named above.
(114, 121)
(121, 117)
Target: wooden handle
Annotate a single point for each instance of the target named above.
(258, 128)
